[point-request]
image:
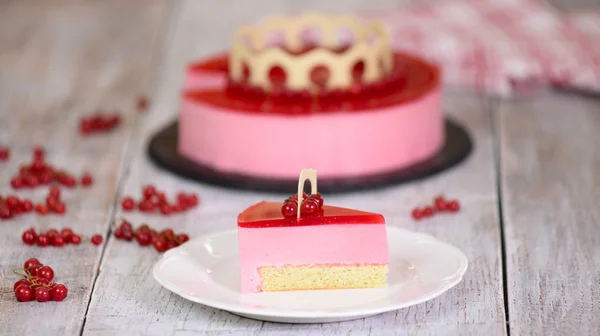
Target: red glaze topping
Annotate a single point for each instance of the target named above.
(413, 79)
(268, 214)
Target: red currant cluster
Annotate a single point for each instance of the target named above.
(310, 206)
(156, 201)
(12, 205)
(4, 153)
(39, 172)
(53, 237)
(99, 123)
(142, 103)
(37, 284)
(440, 204)
(144, 235)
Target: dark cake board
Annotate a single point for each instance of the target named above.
(163, 151)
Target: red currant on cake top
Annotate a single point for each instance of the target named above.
(309, 207)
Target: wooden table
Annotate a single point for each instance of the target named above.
(530, 223)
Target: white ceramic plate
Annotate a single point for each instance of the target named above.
(206, 270)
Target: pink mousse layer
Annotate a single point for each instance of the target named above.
(309, 245)
(336, 144)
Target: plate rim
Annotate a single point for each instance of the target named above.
(446, 285)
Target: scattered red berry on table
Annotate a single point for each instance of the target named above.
(440, 204)
(42, 294)
(142, 103)
(24, 293)
(97, 239)
(75, 239)
(86, 180)
(4, 153)
(144, 236)
(37, 284)
(155, 201)
(99, 123)
(59, 292)
(29, 238)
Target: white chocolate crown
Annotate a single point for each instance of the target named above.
(253, 54)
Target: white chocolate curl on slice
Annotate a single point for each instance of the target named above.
(310, 175)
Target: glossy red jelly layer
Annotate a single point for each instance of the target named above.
(268, 214)
(418, 78)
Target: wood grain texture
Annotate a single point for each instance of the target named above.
(127, 300)
(61, 60)
(550, 175)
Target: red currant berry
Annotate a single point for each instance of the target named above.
(46, 272)
(75, 239)
(28, 237)
(440, 203)
(42, 209)
(128, 203)
(168, 233)
(4, 153)
(31, 263)
(289, 209)
(127, 234)
(34, 270)
(149, 191)
(58, 241)
(304, 196)
(143, 237)
(119, 233)
(172, 243)
(19, 283)
(160, 244)
(54, 192)
(5, 212)
(59, 292)
(165, 209)
(318, 198)
(17, 182)
(42, 240)
(32, 181)
(12, 202)
(192, 200)
(182, 198)
(27, 206)
(24, 293)
(38, 153)
(42, 294)
(66, 233)
(428, 211)
(453, 206)
(97, 239)
(86, 180)
(182, 237)
(52, 233)
(417, 213)
(146, 206)
(60, 208)
(309, 207)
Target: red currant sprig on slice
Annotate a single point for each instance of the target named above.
(289, 208)
(310, 206)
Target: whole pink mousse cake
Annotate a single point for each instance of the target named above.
(236, 120)
(325, 247)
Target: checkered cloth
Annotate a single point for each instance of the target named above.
(503, 47)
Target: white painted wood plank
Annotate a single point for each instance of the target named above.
(60, 60)
(128, 301)
(551, 184)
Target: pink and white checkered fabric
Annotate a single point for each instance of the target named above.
(501, 47)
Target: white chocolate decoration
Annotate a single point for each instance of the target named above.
(310, 175)
(369, 44)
